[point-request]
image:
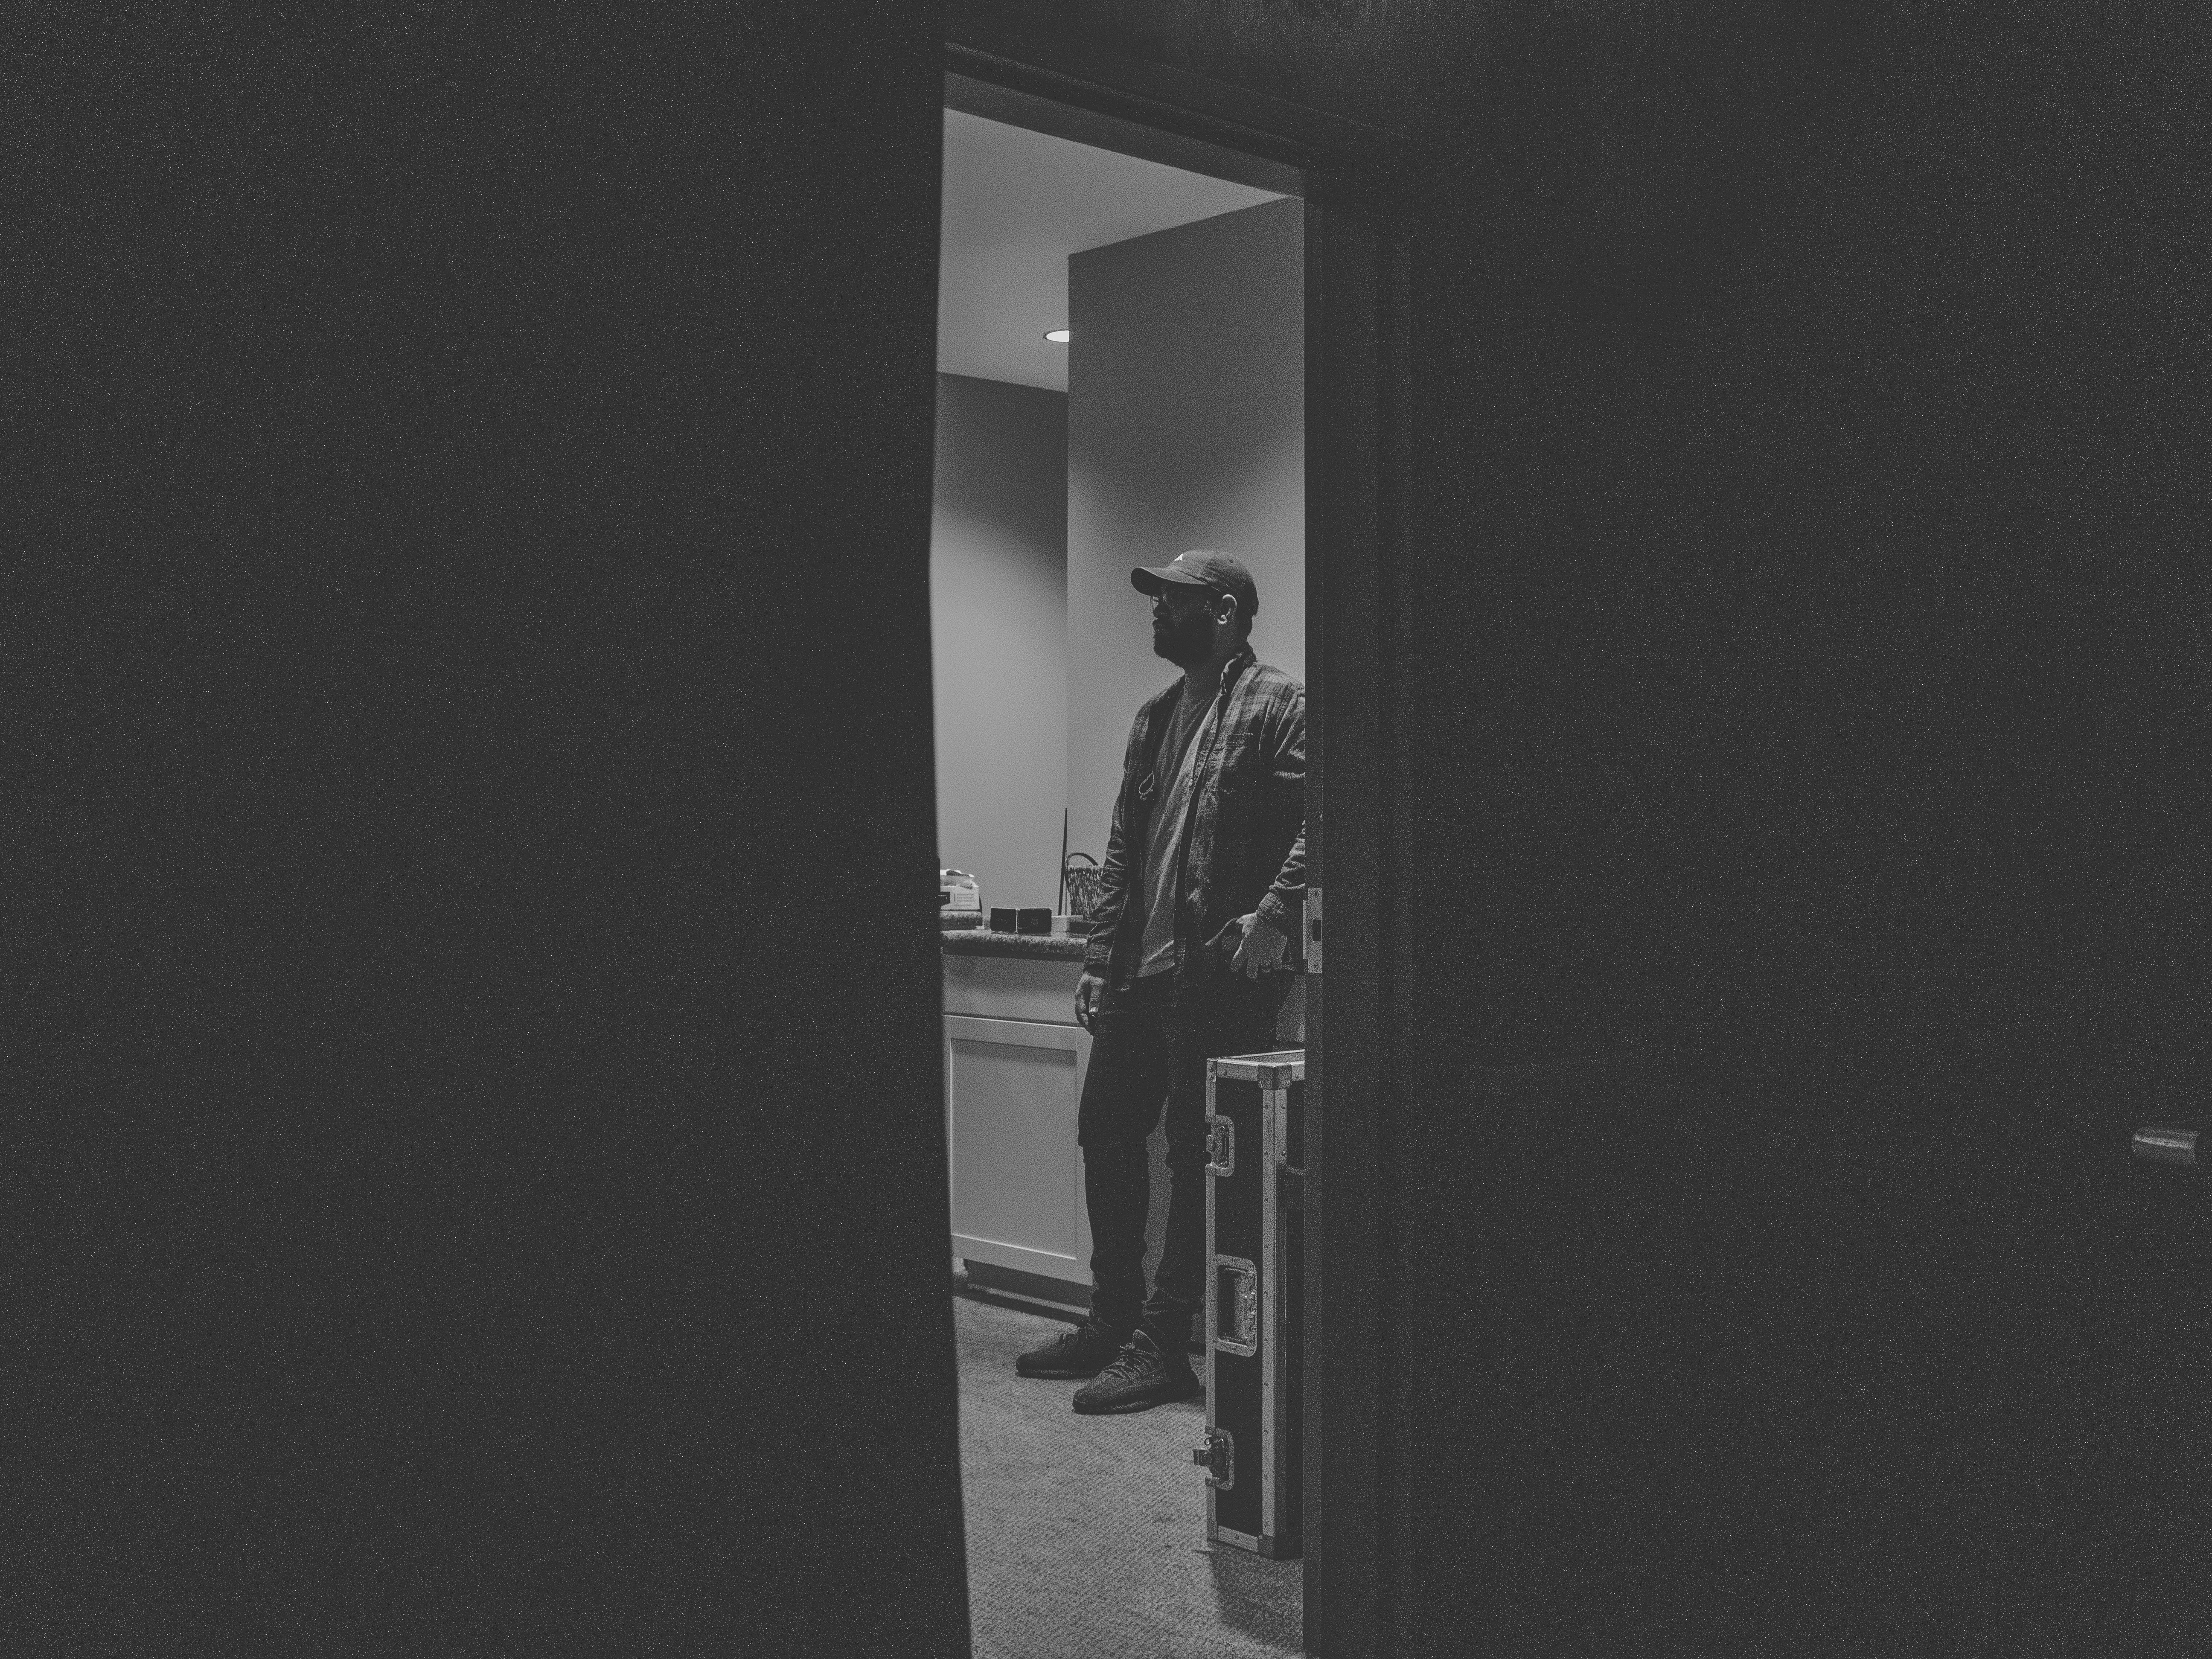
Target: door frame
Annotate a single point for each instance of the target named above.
(1358, 184)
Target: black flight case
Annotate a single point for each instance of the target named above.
(1254, 1246)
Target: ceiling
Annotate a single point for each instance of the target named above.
(1017, 203)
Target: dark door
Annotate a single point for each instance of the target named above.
(471, 1165)
(1999, 1440)
(2096, 1524)
(1905, 1355)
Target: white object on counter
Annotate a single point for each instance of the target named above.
(966, 893)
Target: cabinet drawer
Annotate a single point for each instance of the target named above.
(1039, 989)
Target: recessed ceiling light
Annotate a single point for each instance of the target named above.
(1057, 335)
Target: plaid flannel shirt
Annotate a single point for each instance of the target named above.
(1243, 848)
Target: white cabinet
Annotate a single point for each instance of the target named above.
(1010, 1091)
(1014, 1063)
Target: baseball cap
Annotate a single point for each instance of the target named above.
(1201, 567)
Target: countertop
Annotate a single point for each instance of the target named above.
(983, 942)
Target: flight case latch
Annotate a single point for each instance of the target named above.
(1217, 1457)
(1220, 1145)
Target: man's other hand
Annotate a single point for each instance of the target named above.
(1260, 950)
(1088, 990)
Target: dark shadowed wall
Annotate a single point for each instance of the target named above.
(1800, 686)
(456, 1198)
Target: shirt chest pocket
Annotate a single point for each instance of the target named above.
(1240, 768)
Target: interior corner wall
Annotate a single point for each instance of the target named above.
(998, 593)
(1185, 428)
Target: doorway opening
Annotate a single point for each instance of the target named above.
(1220, 277)
(1121, 379)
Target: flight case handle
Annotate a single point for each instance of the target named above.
(1236, 1306)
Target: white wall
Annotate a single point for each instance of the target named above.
(1186, 428)
(998, 587)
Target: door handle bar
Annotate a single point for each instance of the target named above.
(2169, 1143)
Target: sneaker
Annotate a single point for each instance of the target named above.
(1082, 1351)
(1141, 1376)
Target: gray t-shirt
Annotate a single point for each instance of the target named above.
(1164, 835)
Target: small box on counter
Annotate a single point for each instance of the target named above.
(1005, 920)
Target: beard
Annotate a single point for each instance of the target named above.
(1183, 643)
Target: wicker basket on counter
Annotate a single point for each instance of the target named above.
(1083, 883)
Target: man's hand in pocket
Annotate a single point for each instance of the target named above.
(1260, 950)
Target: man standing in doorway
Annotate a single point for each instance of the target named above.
(1203, 890)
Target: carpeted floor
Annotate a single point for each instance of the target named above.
(1086, 1536)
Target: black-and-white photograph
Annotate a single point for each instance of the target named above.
(1556, 656)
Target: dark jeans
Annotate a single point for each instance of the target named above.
(1149, 1046)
